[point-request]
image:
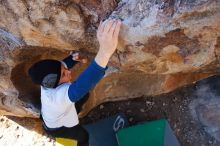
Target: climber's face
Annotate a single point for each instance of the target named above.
(65, 75)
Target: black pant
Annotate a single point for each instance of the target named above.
(77, 133)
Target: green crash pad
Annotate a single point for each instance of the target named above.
(103, 132)
(154, 133)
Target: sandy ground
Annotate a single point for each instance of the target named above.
(22, 132)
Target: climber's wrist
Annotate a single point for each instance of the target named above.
(105, 53)
(102, 58)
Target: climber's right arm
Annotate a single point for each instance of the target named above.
(107, 35)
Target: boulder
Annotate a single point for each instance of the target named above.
(205, 107)
(163, 45)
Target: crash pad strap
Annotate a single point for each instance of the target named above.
(65, 142)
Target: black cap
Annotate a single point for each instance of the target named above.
(46, 73)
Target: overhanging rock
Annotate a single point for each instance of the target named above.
(163, 45)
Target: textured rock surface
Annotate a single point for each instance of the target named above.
(54, 23)
(206, 108)
(163, 45)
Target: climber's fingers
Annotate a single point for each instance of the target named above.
(100, 28)
(117, 29)
(112, 29)
(108, 25)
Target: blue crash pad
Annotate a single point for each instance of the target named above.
(103, 132)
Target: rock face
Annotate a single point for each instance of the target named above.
(205, 108)
(163, 45)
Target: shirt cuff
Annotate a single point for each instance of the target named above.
(98, 66)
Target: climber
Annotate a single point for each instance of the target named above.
(59, 95)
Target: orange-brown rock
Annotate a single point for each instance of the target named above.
(163, 45)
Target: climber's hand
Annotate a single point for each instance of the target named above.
(107, 35)
(77, 56)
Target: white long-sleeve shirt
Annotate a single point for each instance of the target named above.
(57, 110)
